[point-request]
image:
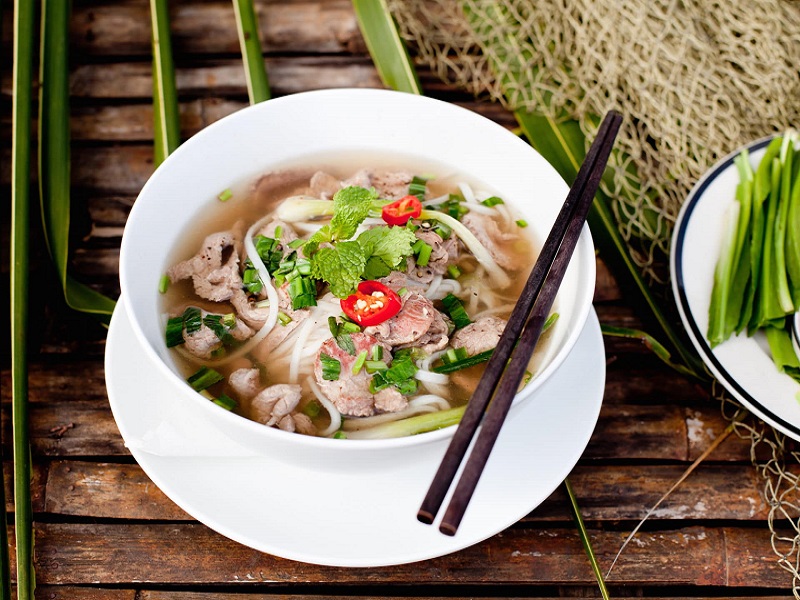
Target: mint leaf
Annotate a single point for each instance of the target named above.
(391, 244)
(351, 205)
(376, 268)
(320, 236)
(340, 267)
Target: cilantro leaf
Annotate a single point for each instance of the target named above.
(340, 267)
(351, 205)
(391, 244)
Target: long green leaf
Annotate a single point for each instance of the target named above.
(388, 52)
(54, 155)
(585, 540)
(561, 143)
(22, 81)
(166, 115)
(250, 42)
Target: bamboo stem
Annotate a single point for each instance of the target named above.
(166, 115)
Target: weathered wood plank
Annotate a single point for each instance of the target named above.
(170, 554)
(572, 592)
(606, 493)
(38, 483)
(57, 592)
(122, 28)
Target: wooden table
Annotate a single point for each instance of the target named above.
(103, 530)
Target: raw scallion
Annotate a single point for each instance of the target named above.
(312, 409)
(225, 195)
(204, 378)
(163, 284)
(521, 223)
(417, 187)
(377, 352)
(424, 254)
(453, 271)
(402, 291)
(225, 402)
(359, 362)
(283, 318)
(455, 310)
(295, 244)
(373, 366)
(345, 342)
(466, 363)
(492, 201)
(174, 332)
(331, 368)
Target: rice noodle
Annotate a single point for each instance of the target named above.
(434, 285)
(302, 336)
(336, 416)
(431, 377)
(505, 308)
(447, 286)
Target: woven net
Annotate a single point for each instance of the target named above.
(695, 79)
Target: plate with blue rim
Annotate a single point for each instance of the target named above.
(742, 364)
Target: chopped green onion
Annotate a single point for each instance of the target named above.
(377, 383)
(225, 402)
(333, 326)
(163, 284)
(407, 386)
(424, 254)
(312, 409)
(204, 378)
(359, 362)
(400, 370)
(453, 271)
(402, 291)
(262, 304)
(331, 368)
(174, 332)
(345, 342)
(283, 318)
(455, 310)
(267, 249)
(442, 230)
(295, 244)
(229, 320)
(417, 246)
(470, 361)
(492, 201)
(522, 223)
(278, 232)
(250, 279)
(348, 327)
(215, 324)
(417, 187)
(303, 292)
(373, 366)
(377, 352)
(225, 195)
(550, 321)
(527, 379)
(192, 320)
(340, 435)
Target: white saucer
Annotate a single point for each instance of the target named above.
(742, 364)
(357, 518)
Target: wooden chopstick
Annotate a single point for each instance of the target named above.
(529, 314)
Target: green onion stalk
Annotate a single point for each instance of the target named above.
(396, 70)
(22, 82)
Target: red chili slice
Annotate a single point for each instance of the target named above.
(400, 211)
(373, 303)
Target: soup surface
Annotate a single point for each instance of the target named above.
(347, 302)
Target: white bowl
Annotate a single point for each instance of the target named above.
(241, 146)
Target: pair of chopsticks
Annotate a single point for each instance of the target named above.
(502, 377)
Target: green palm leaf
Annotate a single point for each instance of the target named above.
(54, 156)
(250, 42)
(20, 221)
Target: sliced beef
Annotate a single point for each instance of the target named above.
(389, 400)
(397, 280)
(324, 185)
(246, 383)
(275, 402)
(214, 270)
(248, 311)
(488, 233)
(435, 338)
(443, 253)
(203, 342)
(407, 326)
(391, 185)
(350, 393)
(480, 336)
(360, 178)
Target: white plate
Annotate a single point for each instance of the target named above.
(360, 518)
(742, 364)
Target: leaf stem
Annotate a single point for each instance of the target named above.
(250, 42)
(166, 114)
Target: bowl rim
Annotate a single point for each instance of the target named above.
(584, 252)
